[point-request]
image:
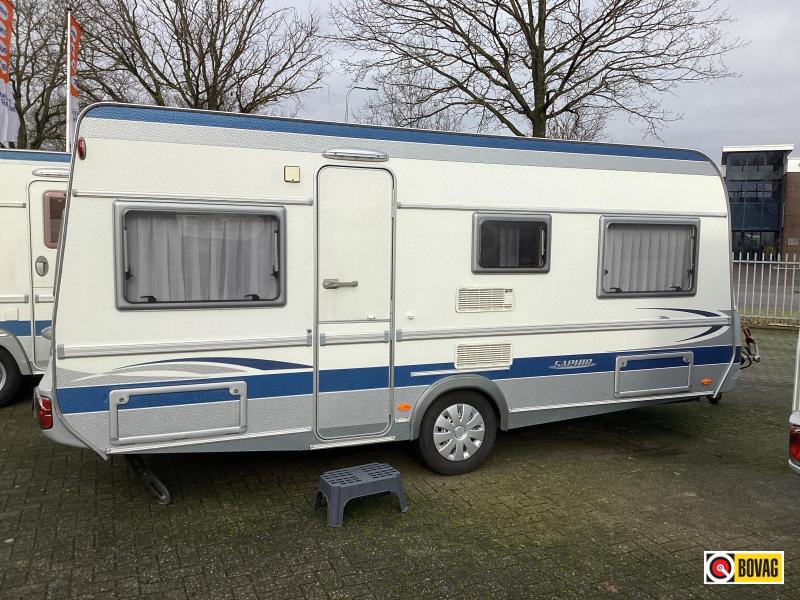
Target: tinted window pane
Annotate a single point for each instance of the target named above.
(512, 244)
(54, 205)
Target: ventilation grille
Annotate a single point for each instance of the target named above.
(475, 356)
(484, 299)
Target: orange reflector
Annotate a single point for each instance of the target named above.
(706, 381)
(403, 407)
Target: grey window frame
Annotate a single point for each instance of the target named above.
(478, 219)
(608, 221)
(122, 207)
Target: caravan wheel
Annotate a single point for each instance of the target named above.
(9, 378)
(457, 433)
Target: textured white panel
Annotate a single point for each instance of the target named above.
(472, 356)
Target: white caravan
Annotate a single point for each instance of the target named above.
(32, 199)
(235, 282)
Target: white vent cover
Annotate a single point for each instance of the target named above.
(475, 356)
(472, 299)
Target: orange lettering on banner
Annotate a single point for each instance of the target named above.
(74, 49)
(6, 24)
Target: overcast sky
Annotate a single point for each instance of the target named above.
(762, 106)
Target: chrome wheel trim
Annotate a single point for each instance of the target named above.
(458, 432)
(3, 376)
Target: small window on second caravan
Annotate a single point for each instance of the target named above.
(511, 243)
(642, 257)
(200, 257)
(54, 204)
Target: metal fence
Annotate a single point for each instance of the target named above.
(766, 285)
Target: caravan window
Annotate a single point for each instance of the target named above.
(54, 204)
(655, 257)
(511, 243)
(200, 257)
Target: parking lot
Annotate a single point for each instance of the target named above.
(621, 505)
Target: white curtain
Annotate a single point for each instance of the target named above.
(648, 258)
(501, 244)
(509, 255)
(200, 257)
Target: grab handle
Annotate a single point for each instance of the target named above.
(332, 284)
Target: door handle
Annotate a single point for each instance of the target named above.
(332, 284)
(42, 266)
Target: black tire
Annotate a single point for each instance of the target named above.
(428, 449)
(715, 399)
(10, 378)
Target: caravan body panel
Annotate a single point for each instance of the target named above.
(387, 292)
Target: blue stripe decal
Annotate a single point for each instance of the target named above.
(297, 126)
(654, 363)
(546, 365)
(178, 398)
(345, 380)
(23, 328)
(252, 363)
(8, 154)
(95, 398)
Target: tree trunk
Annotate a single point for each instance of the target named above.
(539, 125)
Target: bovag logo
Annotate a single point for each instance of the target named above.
(743, 567)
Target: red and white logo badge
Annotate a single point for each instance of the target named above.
(719, 567)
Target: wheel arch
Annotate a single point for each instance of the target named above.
(11, 344)
(477, 383)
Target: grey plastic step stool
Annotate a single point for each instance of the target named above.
(342, 485)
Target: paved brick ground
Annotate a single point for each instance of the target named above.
(621, 506)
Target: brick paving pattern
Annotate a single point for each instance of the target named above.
(620, 506)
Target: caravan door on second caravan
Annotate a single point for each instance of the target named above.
(47, 203)
(354, 288)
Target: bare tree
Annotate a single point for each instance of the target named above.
(233, 55)
(406, 103)
(539, 67)
(38, 73)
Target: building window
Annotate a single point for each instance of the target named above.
(511, 243)
(54, 204)
(642, 257)
(200, 257)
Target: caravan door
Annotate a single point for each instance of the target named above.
(354, 306)
(46, 204)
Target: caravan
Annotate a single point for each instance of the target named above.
(236, 282)
(32, 201)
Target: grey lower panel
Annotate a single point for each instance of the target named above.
(286, 423)
(282, 441)
(550, 415)
(264, 417)
(652, 382)
(177, 422)
(352, 430)
(538, 393)
(363, 412)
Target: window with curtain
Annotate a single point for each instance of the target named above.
(648, 258)
(511, 244)
(54, 205)
(196, 257)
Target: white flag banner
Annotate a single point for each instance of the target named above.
(8, 114)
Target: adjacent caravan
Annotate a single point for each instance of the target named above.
(32, 201)
(237, 282)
